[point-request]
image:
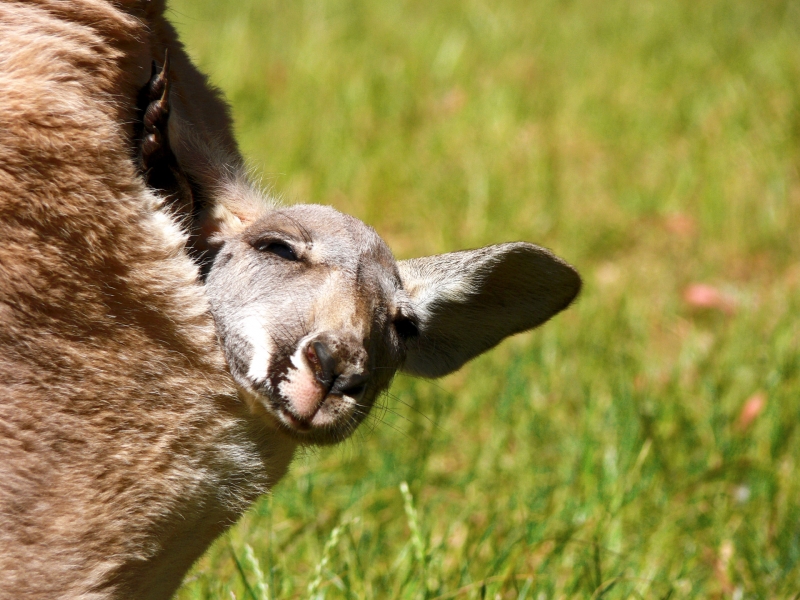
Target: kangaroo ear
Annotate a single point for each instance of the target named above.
(229, 203)
(468, 302)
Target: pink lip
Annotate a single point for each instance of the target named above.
(294, 422)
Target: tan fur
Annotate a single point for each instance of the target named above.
(124, 447)
(111, 496)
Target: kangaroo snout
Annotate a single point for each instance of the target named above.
(333, 377)
(339, 364)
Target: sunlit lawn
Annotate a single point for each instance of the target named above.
(644, 444)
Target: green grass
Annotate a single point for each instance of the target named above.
(653, 145)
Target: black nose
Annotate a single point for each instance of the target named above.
(338, 366)
(351, 385)
(327, 364)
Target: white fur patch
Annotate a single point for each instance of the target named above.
(253, 330)
(171, 232)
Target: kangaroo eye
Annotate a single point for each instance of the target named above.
(406, 328)
(277, 248)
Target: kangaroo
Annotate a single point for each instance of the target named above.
(315, 315)
(162, 358)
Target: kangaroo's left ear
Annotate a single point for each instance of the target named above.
(467, 302)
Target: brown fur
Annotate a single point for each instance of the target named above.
(105, 497)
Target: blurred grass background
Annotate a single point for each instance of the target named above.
(644, 444)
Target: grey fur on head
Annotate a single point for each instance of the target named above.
(316, 316)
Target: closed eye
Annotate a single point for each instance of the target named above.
(277, 248)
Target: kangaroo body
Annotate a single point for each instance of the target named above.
(124, 449)
(143, 405)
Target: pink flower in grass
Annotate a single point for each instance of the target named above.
(751, 409)
(702, 295)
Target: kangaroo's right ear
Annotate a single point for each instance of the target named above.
(467, 302)
(229, 203)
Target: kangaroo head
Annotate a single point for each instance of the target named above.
(316, 316)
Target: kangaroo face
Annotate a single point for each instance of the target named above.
(316, 316)
(313, 318)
